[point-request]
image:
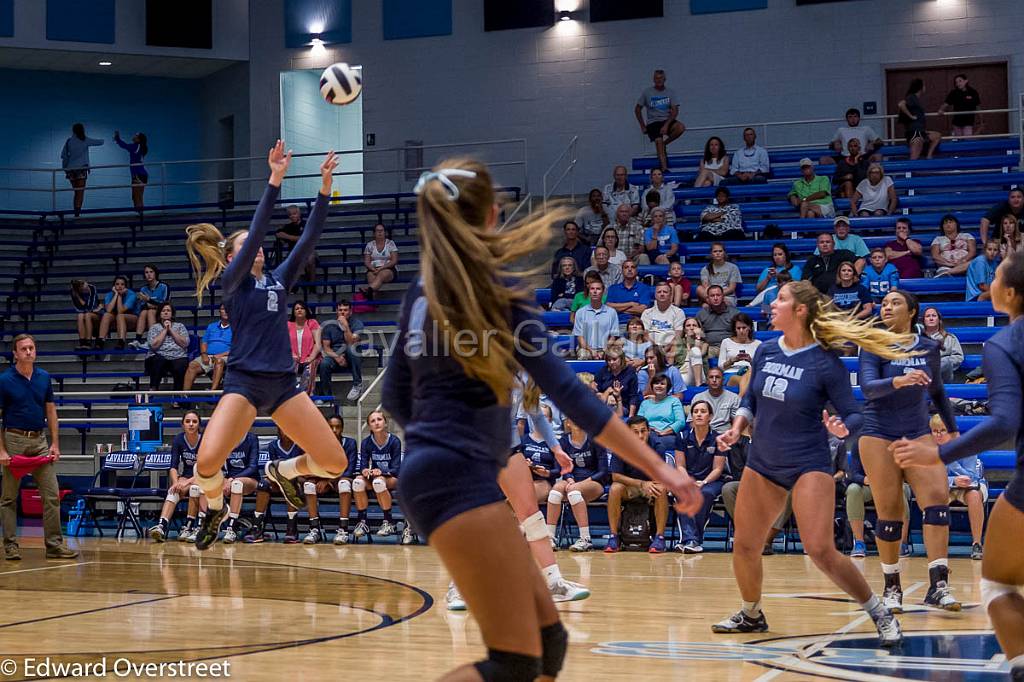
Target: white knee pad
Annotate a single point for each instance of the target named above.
(358, 485)
(575, 497)
(344, 487)
(309, 488)
(991, 590)
(194, 491)
(535, 528)
(173, 497)
(380, 485)
(555, 497)
(236, 487)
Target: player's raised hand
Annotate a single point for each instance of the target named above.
(327, 173)
(278, 161)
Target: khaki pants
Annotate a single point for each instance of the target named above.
(45, 477)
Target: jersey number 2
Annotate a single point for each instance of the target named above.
(272, 301)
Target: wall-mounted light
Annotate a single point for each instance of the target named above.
(106, 63)
(317, 46)
(565, 15)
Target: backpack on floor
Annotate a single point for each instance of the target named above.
(635, 525)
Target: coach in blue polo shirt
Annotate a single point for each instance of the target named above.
(631, 296)
(26, 398)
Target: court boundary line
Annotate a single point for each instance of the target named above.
(45, 568)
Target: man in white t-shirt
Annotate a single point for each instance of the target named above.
(664, 321)
(870, 142)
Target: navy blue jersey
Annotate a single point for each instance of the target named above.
(700, 454)
(1003, 364)
(244, 460)
(903, 412)
(538, 453)
(387, 457)
(589, 460)
(617, 465)
(429, 394)
(258, 310)
(787, 392)
(351, 449)
(276, 451)
(184, 455)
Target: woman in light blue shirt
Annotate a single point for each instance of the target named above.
(74, 159)
(664, 414)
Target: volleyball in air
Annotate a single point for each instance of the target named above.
(340, 84)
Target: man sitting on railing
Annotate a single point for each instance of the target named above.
(662, 107)
(870, 142)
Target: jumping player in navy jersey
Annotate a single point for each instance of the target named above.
(260, 374)
(380, 457)
(184, 450)
(897, 393)
(281, 449)
(587, 481)
(241, 477)
(794, 377)
(463, 336)
(1002, 567)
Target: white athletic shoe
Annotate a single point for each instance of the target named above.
(892, 599)
(188, 534)
(582, 545)
(360, 530)
(387, 528)
(312, 537)
(341, 537)
(158, 533)
(408, 537)
(354, 392)
(942, 597)
(565, 590)
(889, 632)
(230, 536)
(454, 600)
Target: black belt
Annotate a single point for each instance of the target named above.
(26, 434)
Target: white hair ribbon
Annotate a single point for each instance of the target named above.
(444, 177)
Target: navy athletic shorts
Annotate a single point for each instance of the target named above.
(893, 429)
(437, 484)
(265, 391)
(786, 475)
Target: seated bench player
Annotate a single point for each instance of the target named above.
(282, 448)
(587, 481)
(380, 456)
(241, 471)
(184, 451)
(629, 483)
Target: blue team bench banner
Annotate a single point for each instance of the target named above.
(711, 6)
(416, 18)
(81, 22)
(6, 18)
(330, 20)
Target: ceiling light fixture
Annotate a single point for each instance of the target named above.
(565, 15)
(106, 63)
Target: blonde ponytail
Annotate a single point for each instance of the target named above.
(208, 252)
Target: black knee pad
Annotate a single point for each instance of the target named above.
(554, 641)
(264, 486)
(937, 515)
(502, 666)
(889, 531)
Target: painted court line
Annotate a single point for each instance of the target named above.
(45, 568)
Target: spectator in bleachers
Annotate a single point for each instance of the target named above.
(716, 318)
(722, 219)
(851, 170)
(992, 220)
(573, 248)
(681, 285)
(380, 460)
(846, 241)
(119, 310)
(184, 452)
(771, 293)
(811, 193)
(697, 454)
(866, 137)
(737, 351)
(981, 272)
(692, 353)
(630, 296)
(631, 235)
(721, 273)
(304, 332)
(781, 262)
(565, 285)
(967, 485)
(280, 449)
(664, 321)
(714, 165)
(655, 364)
(821, 268)
(905, 252)
(339, 340)
(858, 492)
(618, 378)
(661, 239)
(137, 150)
(620, 192)
(629, 483)
(585, 483)
(849, 295)
(381, 260)
(1010, 239)
(592, 218)
(652, 203)
(168, 349)
(148, 298)
(213, 353)
(724, 404)
(241, 477)
(875, 195)
(750, 164)
(951, 352)
(962, 98)
(662, 125)
(288, 234)
(594, 325)
(952, 250)
(880, 277)
(74, 159)
(635, 343)
(610, 240)
(610, 273)
(85, 300)
(912, 116)
(667, 193)
(583, 297)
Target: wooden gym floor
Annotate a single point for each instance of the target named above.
(377, 612)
